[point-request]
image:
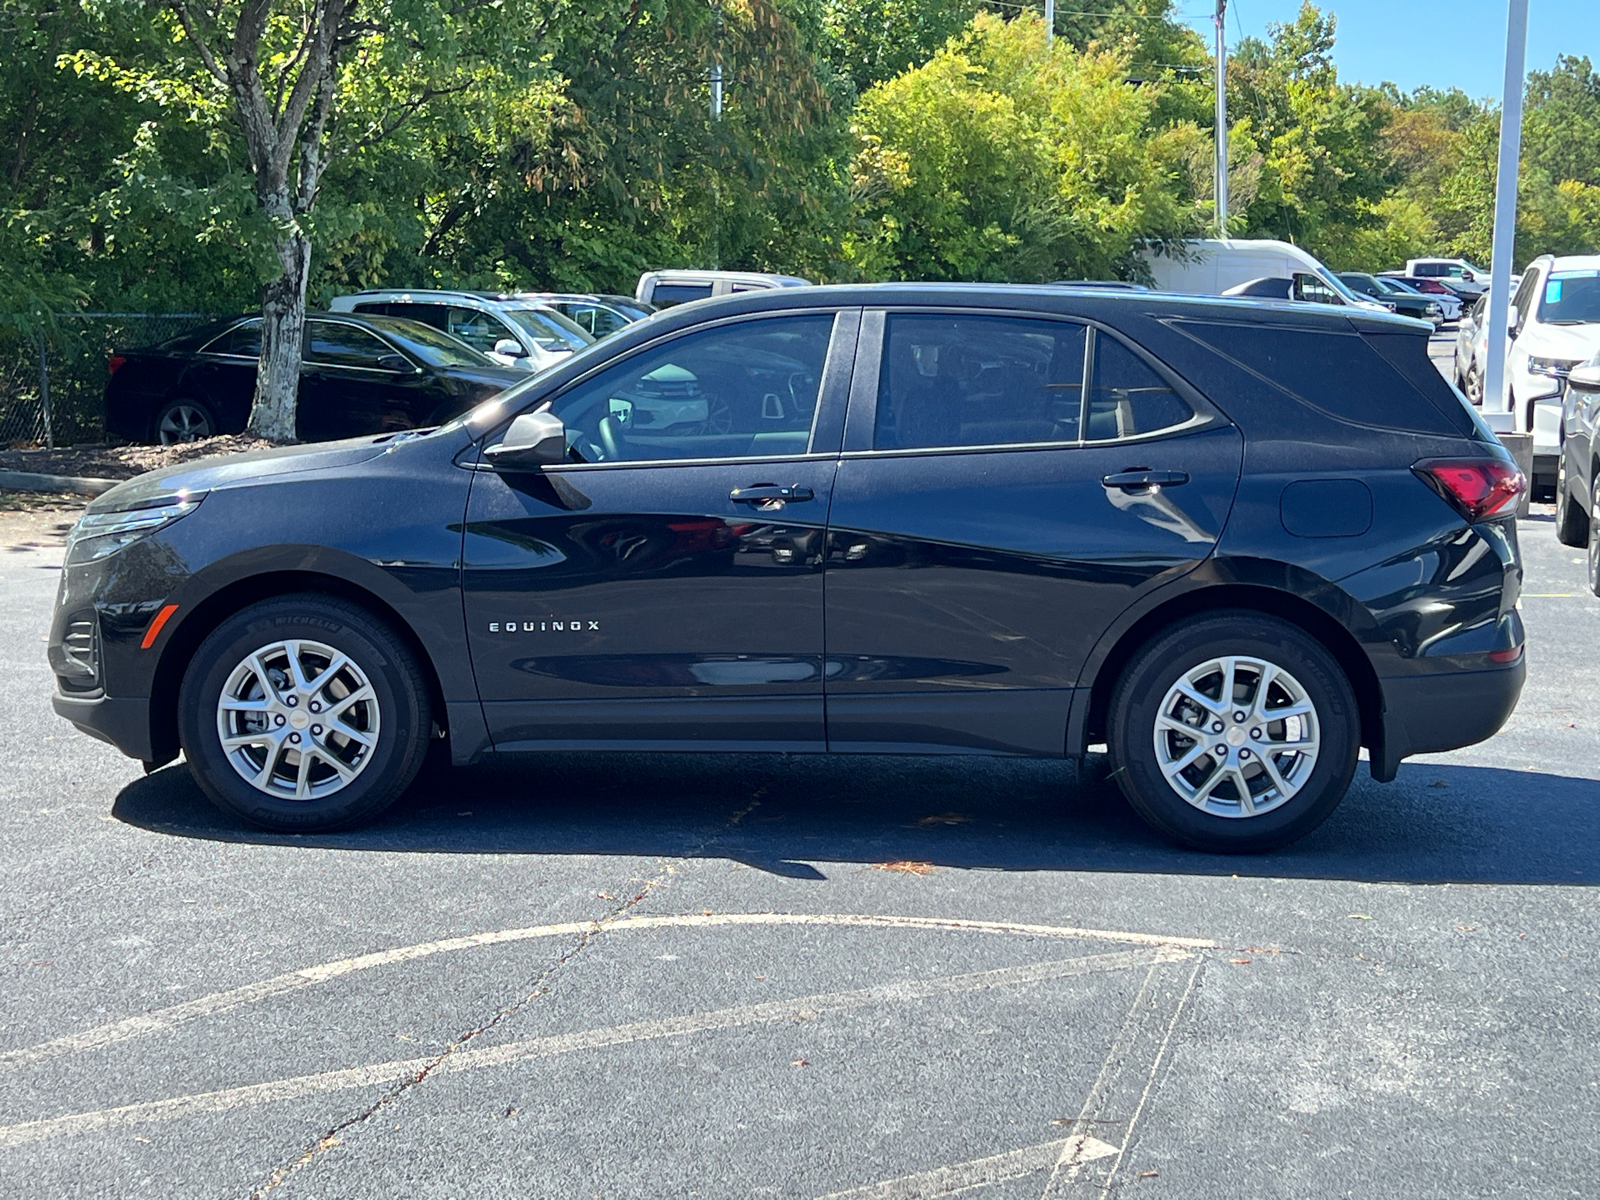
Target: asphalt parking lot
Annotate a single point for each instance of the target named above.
(650, 976)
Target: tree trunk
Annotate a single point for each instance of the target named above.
(283, 320)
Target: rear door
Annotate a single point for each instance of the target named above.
(665, 588)
(351, 383)
(990, 521)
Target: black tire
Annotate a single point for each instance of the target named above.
(401, 719)
(180, 421)
(1156, 669)
(1594, 534)
(1572, 517)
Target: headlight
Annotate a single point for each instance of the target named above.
(1556, 368)
(99, 534)
(1432, 309)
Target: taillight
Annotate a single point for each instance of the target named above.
(116, 363)
(1477, 488)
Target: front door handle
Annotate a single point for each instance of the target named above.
(769, 493)
(1143, 479)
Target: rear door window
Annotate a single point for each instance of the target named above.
(476, 328)
(957, 381)
(1128, 398)
(428, 314)
(243, 340)
(331, 343)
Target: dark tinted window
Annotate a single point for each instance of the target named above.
(1337, 373)
(978, 381)
(242, 339)
(678, 293)
(742, 390)
(1128, 398)
(428, 314)
(336, 344)
(1315, 291)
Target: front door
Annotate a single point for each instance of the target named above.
(990, 521)
(352, 382)
(664, 589)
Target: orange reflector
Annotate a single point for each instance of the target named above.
(154, 631)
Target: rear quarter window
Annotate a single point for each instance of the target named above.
(1341, 375)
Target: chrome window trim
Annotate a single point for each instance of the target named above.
(635, 464)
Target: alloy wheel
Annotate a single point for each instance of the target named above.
(183, 423)
(298, 720)
(1237, 736)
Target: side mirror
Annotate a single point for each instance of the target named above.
(1468, 277)
(394, 362)
(1585, 376)
(533, 440)
(1513, 319)
(509, 348)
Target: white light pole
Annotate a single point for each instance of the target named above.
(1049, 20)
(1221, 169)
(716, 91)
(1496, 395)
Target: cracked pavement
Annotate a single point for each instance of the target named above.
(654, 975)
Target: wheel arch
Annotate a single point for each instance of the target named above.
(1316, 622)
(238, 594)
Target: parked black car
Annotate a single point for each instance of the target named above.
(1407, 304)
(1234, 542)
(1578, 468)
(359, 375)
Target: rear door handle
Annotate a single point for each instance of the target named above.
(1137, 479)
(769, 493)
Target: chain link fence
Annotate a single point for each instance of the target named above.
(53, 382)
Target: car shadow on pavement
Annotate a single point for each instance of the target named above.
(798, 816)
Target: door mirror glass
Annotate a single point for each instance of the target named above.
(533, 440)
(509, 348)
(394, 362)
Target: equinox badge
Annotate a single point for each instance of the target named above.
(547, 626)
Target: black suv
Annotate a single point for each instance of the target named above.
(1233, 541)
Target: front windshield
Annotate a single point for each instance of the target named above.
(549, 330)
(1571, 298)
(1395, 287)
(434, 346)
(1339, 285)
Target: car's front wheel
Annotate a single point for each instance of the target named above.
(1233, 732)
(1594, 534)
(1572, 516)
(303, 713)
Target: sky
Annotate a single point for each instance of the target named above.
(1459, 43)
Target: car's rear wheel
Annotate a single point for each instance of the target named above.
(303, 713)
(1572, 516)
(182, 421)
(1233, 732)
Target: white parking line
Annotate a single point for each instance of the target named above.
(220, 1002)
(545, 1047)
(980, 1172)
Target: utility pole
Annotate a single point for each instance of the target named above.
(1049, 20)
(1221, 168)
(716, 91)
(1496, 396)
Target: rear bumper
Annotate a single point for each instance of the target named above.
(122, 721)
(1426, 714)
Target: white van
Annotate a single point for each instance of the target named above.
(1211, 266)
(665, 288)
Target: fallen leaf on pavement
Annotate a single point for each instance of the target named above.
(1358, 917)
(800, 1062)
(905, 867)
(1467, 928)
(1240, 962)
(1148, 1174)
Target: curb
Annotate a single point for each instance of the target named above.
(27, 481)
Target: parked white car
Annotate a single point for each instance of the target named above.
(664, 288)
(1472, 338)
(1457, 270)
(1555, 326)
(1211, 267)
(515, 331)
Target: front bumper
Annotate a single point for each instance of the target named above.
(123, 721)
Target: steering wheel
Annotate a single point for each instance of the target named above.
(611, 442)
